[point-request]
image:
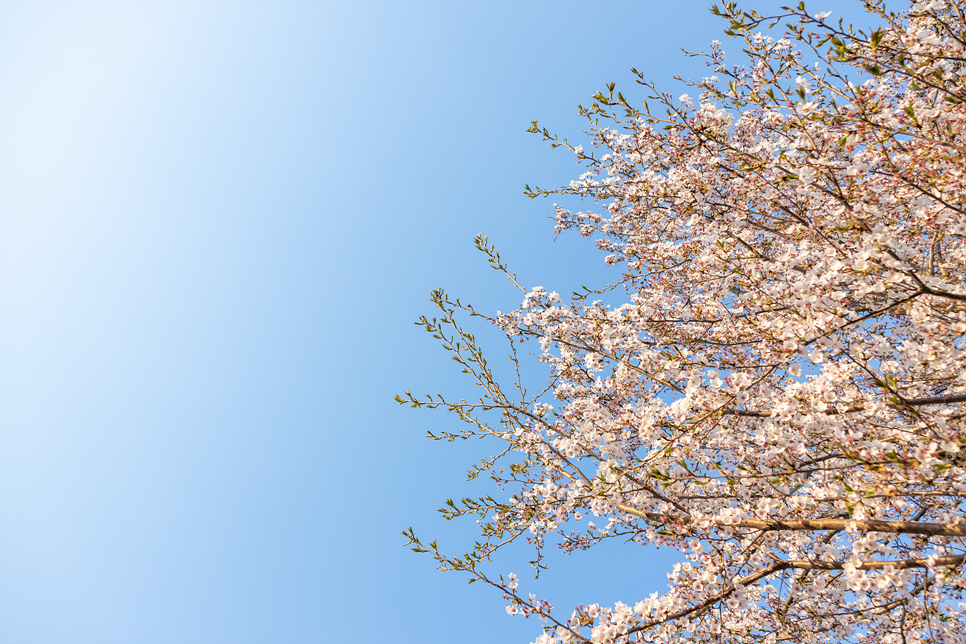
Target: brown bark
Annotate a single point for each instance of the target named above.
(872, 525)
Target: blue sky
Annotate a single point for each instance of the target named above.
(218, 221)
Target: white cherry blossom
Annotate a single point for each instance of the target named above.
(775, 381)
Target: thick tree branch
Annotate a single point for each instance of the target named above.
(912, 402)
(901, 564)
(892, 527)
(872, 525)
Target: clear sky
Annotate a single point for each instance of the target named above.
(218, 221)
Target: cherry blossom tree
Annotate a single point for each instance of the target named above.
(777, 384)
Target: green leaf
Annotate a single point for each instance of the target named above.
(875, 39)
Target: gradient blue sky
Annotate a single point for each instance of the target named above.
(218, 221)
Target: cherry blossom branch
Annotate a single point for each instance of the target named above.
(900, 564)
(814, 525)
(782, 565)
(906, 402)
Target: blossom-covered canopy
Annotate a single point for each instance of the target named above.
(781, 394)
